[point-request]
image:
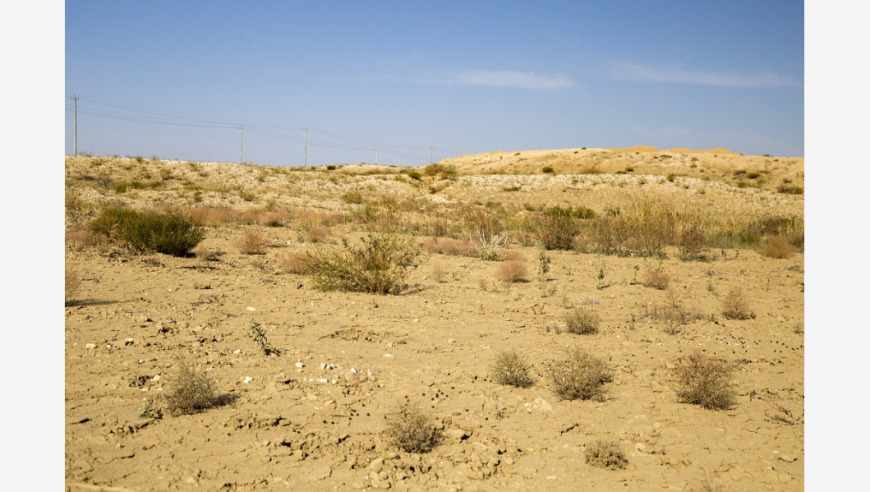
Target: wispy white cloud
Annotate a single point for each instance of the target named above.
(480, 78)
(516, 80)
(632, 71)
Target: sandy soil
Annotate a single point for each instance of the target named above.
(313, 416)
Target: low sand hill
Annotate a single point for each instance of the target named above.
(765, 172)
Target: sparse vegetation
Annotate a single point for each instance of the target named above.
(191, 391)
(411, 430)
(736, 305)
(512, 271)
(258, 334)
(580, 376)
(510, 369)
(72, 283)
(706, 381)
(252, 242)
(582, 321)
(606, 454)
(778, 247)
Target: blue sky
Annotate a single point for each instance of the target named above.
(414, 79)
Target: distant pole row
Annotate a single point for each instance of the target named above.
(75, 99)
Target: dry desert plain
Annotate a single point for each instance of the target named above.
(662, 244)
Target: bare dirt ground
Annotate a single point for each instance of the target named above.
(313, 416)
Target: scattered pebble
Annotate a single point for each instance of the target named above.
(251, 309)
(247, 379)
(90, 346)
(389, 356)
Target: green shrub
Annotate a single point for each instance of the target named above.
(548, 170)
(170, 233)
(380, 265)
(581, 376)
(510, 369)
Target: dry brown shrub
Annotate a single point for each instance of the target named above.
(606, 454)
(275, 218)
(736, 305)
(582, 321)
(778, 247)
(510, 369)
(451, 247)
(439, 274)
(294, 263)
(411, 430)
(706, 381)
(317, 234)
(252, 242)
(191, 391)
(72, 283)
(80, 239)
(581, 376)
(672, 312)
(513, 271)
(657, 279)
(206, 253)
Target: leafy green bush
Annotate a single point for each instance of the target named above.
(380, 265)
(170, 233)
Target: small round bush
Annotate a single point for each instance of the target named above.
(706, 381)
(582, 321)
(581, 376)
(606, 454)
(411, 430)
(510, 369)
(191, 392)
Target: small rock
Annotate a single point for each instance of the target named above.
(299, 364)
(247, 379)
(249, 308)
(389, 356)
(90, 346)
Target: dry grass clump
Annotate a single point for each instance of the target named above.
(252, 242)
(451, 247)
(317, 234)
(581, 376)
(510, 369)
(275, 218)
(582, 321)
(736, 305)
(672, 313)
(778, 247)
(206, 253)
(657, 279)
(191, 391)
(706, 381)
(411, 430)
(606, 454)
(294, 263)
(379, 265)
(72, 284)
(80, 239)
(512, 271)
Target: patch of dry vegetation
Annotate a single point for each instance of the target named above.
(412, 430)
(706, 381)
(580, 376)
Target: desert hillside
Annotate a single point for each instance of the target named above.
(563, 319)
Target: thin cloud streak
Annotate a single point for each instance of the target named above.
(480, 78)
(631, 71)
(516, 80)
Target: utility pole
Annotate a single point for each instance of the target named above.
(75, 99)
(376, 156)
(306, 146)
(430, 155)
(240, 143)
